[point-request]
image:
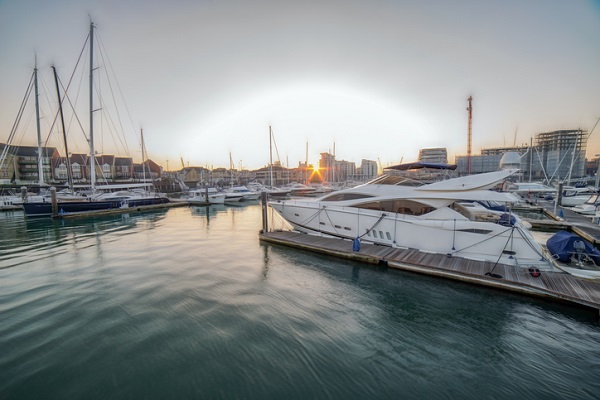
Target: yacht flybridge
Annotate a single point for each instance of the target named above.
(432, 218)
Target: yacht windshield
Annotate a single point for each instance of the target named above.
(388, 179)
(403, 206)
(345, 196)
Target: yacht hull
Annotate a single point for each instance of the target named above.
(484, 241)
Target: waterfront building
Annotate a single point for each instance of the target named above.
(20, 167)
(334, 170)
(562, 153)
(366, 171)
(192, 176)
(438, 155)
(281, 175)
(148, 171)
(556, 155)
(123, 168)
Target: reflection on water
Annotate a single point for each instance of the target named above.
(187, 303)
(24, 240)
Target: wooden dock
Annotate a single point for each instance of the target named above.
(566, 219)
(550, 285)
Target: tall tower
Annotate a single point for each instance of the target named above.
(469, 138)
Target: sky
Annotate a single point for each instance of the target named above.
(366, 79)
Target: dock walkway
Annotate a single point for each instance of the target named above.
(580, 224)
(551, 285)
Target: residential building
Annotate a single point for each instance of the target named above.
(20, 167)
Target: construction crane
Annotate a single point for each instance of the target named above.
(469, 138)
(182, 163)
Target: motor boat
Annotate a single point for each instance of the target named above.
(205, 196)
(574, 196)
(589, 207)
(247, 194)
(430, 218)
(574, 255)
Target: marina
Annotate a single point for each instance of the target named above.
(422, 221)
(189, 300)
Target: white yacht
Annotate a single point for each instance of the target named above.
(525, 189)
(247, 194)
(431, 218)
(205, 196)
(574, 196)
(299, 189)
(589, 207)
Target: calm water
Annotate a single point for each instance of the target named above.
(181, 304)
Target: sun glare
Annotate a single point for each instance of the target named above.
(359, 122)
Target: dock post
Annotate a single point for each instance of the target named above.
(264, 205)
(54, 202)
(206, 196)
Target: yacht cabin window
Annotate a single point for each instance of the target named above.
(408, 207)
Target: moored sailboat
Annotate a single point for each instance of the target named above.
(96, 201)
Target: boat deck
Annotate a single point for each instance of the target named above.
(551, 285)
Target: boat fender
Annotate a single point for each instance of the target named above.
(535, 272)
(356, 244)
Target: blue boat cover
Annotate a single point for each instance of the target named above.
(561, 246)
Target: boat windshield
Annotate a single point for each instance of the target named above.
(402, 206)
(345, 196)
(388, 179)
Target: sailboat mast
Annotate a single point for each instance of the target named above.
(271, 154)
(306, 165)
(39, 133)
(231, 167)
(143, 156)
(333, 165)
(92, 152)
(62, 121)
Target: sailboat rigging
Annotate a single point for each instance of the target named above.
(97, 201)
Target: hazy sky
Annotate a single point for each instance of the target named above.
(379, 78)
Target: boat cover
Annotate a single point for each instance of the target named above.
(561, 246)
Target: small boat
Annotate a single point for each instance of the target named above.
(247, 194)
(10, 203)
(271, 191)
(574, 196)
(528, 189)
(589, 207)
(574, 255)
(298, 189)
(205, 196)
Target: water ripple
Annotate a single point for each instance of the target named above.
(187, 304)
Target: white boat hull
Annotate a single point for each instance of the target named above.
(572, 201)
(484, 241)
